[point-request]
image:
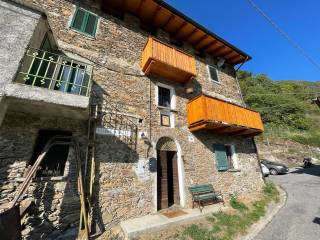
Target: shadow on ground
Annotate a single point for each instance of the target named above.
(313, 170)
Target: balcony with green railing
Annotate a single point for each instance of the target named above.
(55, 72)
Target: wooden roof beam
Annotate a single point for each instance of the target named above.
(223, 53)
(218, 49)
(140, 7)
(166, 23)
(231, 54)
(223, 129)
(238, 132)
(186, 37)
(207, 46)
(176, 33)
(155, 14)
(200, 40)
(198, 127)
(236, 58)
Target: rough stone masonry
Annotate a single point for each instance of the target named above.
(125, 185)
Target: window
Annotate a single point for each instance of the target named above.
(73, 79)
(164, 97)
(226, 158)
(213, 73)
(229, 157)
(85, 22)
(54, 162)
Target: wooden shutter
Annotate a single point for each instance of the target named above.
(78, 19)
(221, 157)
(85, 22)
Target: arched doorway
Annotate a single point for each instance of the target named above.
(167, 174)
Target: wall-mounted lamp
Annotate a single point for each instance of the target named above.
(220, 62)
(143, 135)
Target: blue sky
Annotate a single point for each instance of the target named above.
(237, 22)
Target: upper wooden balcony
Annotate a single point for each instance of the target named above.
(166, 61)
(221, 117)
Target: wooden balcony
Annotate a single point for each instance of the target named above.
(220, 117)
(166, 61)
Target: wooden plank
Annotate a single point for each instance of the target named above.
(212, 109)
(166, 61)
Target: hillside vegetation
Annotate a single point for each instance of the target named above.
(285, 106)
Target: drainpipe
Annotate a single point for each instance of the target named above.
(238, 84)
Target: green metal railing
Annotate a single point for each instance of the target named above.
(56, 72)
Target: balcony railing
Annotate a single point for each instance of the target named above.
(55, 72)
(208, 113)
(166, 61)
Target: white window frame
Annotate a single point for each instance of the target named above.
(217, 72)
(172, 95)
(234, 157)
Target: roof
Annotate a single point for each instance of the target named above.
(158, 14)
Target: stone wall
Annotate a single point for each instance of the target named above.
(56, 199)
(125, 187)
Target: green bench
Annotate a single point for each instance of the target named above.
(204, 193)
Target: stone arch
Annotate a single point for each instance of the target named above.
(166, 144)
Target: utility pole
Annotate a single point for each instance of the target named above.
(316, 101)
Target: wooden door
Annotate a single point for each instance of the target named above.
(168, 181)
(162, 177)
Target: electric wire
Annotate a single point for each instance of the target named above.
(284, 34)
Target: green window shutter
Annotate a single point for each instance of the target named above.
(221, 157)
(84, 22)
(78, 19)
(91, 24)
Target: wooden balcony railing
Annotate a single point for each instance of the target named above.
(221, 117)
(166, 61)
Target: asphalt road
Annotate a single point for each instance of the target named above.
(299, 219)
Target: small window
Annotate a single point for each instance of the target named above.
(229, 157)
(164, 97)
(225, 157)
(85, 22)
(213, 73)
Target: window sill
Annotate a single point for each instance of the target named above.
(167, 108)
(84, 34)
(234, 170)
(216, 82)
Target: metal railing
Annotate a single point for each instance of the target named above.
(56, 72)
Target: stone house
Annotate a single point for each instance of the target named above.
(150, 95)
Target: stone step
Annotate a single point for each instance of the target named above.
(153, 223)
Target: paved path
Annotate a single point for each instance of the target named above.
(299, 219)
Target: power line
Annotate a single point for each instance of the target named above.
(284, 34)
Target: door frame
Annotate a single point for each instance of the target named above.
(181, 175)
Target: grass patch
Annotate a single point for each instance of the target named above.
(226, 226)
